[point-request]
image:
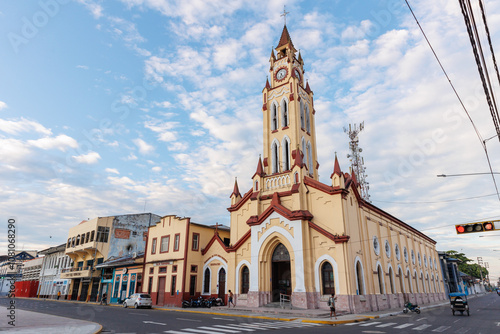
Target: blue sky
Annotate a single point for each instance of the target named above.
(113, 107)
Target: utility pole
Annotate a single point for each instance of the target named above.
(357, 161)
(480, 262)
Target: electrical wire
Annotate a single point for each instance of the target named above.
(483, 142)
(437, 202)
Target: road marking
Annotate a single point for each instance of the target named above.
(373, 332)
(188, 320)
(371, 323)
(462, 330)
(387, 324)
(223, 319)
(498, 324)
(220, 329)
(194, 330)
(441, 329)
(154, 323)
(421, 319)
(235, 327)
(352, 324)
(403, 326)
(421, 327)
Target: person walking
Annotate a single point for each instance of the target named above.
(331, 304)
(104, 299)
(58, 295)
(230, 300)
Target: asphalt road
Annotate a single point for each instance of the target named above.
(484, 319)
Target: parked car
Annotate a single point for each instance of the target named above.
(138, 300)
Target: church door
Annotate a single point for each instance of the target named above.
(281, 273)
(222, 284)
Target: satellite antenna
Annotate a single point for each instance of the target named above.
(357, 161)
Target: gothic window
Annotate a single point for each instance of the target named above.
(281, 254)
(308, 121)
(412, 257)
(206, 281)
(274, 117)
(359, 279)
(387, 249)
(327, 278)
(304, 152)
(419, 259)
(405, 254)
(302, 123)
(380, 280)
(310, 158)
(396, 251)
(391, 280)
(284, 111)
(286, 154)
(245, 280)
(401, 284)
(275, 160)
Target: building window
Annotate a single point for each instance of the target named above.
(387, 249)
(302, 123)
(176, 242)
(153, 246)
(425, 260)
(327, 278)
(165, 244)
(92, 236)
(286, 154)
(162, 270)
(78, 240)
(192, 285)
(359, 279)
(275, 159)
(310, 158)
(87, 237)
(308, 121)
(173, 285)
(405, 254)
(397, 252)
(174, 268)
(73, 241)
(102, 234)
(206, 282)
(412, 257)
(152, 270)
(194, 268)
(284, 111)
(376, 245)
(245, 280)
(380, 275)
(196, 242)
(274, 117)
(419, 259)
(69, 243)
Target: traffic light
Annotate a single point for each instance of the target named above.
(475, 227)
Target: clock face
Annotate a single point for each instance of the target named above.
(281, 74)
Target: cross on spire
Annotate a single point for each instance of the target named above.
(285, 13)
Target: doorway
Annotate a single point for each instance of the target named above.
(281, 274)
(222, 284)
(161, 291)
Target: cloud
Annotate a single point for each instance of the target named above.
(23, 125)
(144, 148)
(156, 169)
(89, 158)
(164, 104)
(3, 105)
(95, 9)
(127, 31)
(112, 170)
(61, 142)
(162, 129)
(83, 67)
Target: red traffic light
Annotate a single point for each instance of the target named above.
(475, 227)
(488, 226)
(460, 229)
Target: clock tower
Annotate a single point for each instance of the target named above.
(289, 126)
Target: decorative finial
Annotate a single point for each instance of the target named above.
(285, 13)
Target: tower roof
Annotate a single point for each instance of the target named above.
(260, 169)
(285, 40)
(336, 167)
(236, 190)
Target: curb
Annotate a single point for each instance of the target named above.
(336, 322)
(99, 330)
(229, 314)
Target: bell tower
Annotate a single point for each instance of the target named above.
(288, 108)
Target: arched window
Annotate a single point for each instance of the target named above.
(206, 281)
(359, 279)
(401, 283)
(302, 121)
(391, 280)
(310, 159)
(286, 154)
(78, 240)
(274, 117)
(275, 162)
(327, 278)
(380, 280)
(284, 113)
(245, 280)
(308, 121)
(304, 152)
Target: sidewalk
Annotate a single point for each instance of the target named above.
(27, 322)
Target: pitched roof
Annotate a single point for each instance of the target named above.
(285, 39)
(336, 167)
(236, 190)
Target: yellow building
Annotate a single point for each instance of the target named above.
(292, 236)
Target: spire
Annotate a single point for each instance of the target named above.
(273, 57)
(236, 190)
(268, 86)
(300, 59)
(308, 89)
(285, 40)
(336, 167)
(298, 158)
(260, 169)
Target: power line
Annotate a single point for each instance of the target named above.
(436, 202)
(483, 142)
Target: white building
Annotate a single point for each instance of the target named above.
(54, 261)
(31, 269)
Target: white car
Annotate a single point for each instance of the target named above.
(138, 300)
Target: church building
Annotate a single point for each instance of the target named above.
(296, 237)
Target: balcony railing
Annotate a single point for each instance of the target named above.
(277, 182)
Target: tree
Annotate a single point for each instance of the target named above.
(472, 269)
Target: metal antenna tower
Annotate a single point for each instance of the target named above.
(357, 161)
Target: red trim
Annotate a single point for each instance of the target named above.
(240, 242)
(321, 186)
(184, 264)
(265, 162)
(210, 243)
(277, 207)
(274, 131)
(284, 128)
(145, 257)
(338, 239)
(264, 106)
(238, 205)
(198, 244)
(161, 242)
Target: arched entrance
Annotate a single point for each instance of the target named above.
(281, 273)
(222, 284)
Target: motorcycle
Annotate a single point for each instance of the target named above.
(411, 307)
